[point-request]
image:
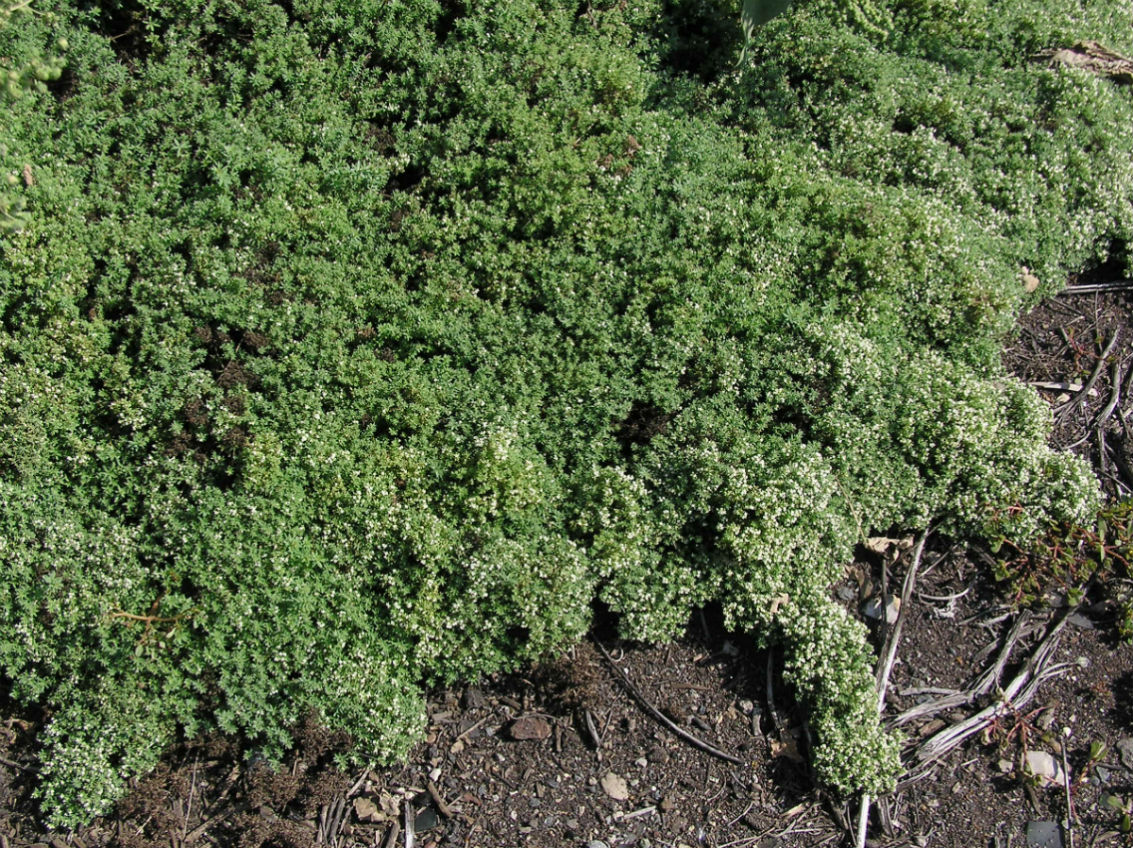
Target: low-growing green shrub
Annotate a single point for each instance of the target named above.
(1068, 558)
(352, 346)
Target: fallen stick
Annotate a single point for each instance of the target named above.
(1115, 379)
(410, 833)
(1093, 288)
(863, 821)
(1018, 692)
(335, 819)
(886, 667)
(392, 834)
(353, 790)
(15, 765)
(438, 800)
(1066, 787)
(199, 831)
(471, 730)
(657, 715)
(1098, 368)
(884, 670)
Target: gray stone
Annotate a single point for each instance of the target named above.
(1125, 749)
(889, 609)
(1044, 766)
(1080, 621)
(426, 820)
(1044, 834)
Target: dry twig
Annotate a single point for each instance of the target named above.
(410, 832)
(392, 834)
(1017, 693)
(886, 667)
(894, 637)
(1115, 380)
(438, 800)
(1095, 288)
(657, 715)
(1069, 800)
(1094, 375)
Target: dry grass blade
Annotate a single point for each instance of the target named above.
(1115, 381)
(1096, 288)
(890, 650)
(886, 667)
(989, 680)
(1099, 366)
(1069, 797)
(1017, 693)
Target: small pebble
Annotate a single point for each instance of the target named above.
(1043, 765)
(530, 727)
(615, 786)
(1125, 749)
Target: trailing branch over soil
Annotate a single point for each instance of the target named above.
(352, 346)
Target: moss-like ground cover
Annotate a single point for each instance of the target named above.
(351, 346)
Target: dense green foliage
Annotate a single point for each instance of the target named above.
(348, 345)
(33, 70)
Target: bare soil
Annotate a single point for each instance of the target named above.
(582, 751)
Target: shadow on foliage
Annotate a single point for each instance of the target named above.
(702, 39)
(123, 22)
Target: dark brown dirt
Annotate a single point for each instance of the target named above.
(565, 755)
